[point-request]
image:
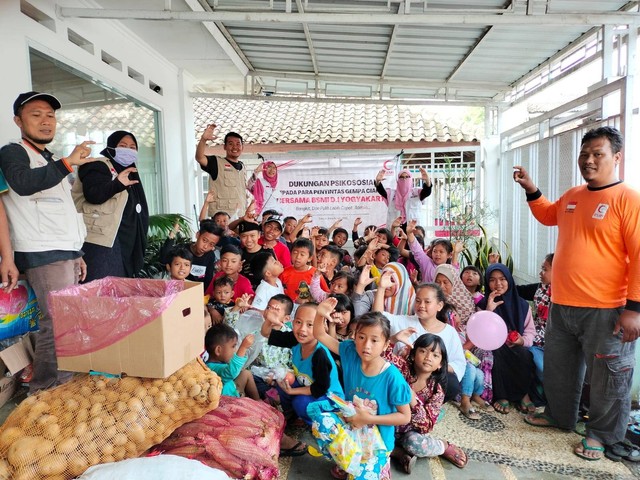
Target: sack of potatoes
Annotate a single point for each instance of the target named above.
(59, 433)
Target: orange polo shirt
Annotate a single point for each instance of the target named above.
(597, 257)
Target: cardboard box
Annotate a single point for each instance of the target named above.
(8, 387)
(13, 359)
(18, 356)
(155, 350)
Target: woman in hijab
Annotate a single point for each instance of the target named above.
(264, 188)
(398, 299)
(456, 293)
(513, 368)
(110, 196)
(405, 201)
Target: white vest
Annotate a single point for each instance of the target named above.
(413, 207)
(46, 220)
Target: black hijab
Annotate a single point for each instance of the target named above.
(514, 309)
(132, 233)
(112, 143)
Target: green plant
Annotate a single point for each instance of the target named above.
(464, 217)
(481, 248)
(159, 228)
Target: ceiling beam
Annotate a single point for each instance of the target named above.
(398, 81)
(468, 54)
(440, 100)
(392, 39)
(307, 35)
(227, 44)
(595, 19)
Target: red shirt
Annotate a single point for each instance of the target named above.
(296, 284)
(242, 286)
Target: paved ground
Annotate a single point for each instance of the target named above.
(311, 468)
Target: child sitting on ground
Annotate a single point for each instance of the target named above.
(424, 369)
(221, 341)
(277, 313)
(267, 270)
(369, 380)
(314, 369)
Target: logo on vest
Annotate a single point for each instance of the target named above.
(601, 211)
(227, 166)
(571, 207)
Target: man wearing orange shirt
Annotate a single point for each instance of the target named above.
(595, 313)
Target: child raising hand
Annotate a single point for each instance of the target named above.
(377, 389)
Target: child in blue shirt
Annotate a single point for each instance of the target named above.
(314, 369)
(367, 377)
(221, 341)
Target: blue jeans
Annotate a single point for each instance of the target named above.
(538, 360)
(472, 381)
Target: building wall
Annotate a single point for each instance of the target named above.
(19, 32)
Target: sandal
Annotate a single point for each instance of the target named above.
(526, 407)
(337, 472)
(455, 455)
(501, 406)
(471, 414)
(624, 450)
(299, 449)
(408, 462)
(541, 420)
(583, 447)
(482, 405)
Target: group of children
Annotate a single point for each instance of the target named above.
(382, 328)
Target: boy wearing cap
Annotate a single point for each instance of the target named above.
(47, 232)
(271, 231)
(249, 233)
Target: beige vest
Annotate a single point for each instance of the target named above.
(46, 220)
(103, 220)
(230, 188)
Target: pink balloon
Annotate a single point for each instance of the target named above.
(487, 330)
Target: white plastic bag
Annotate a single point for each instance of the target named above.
(160, 467)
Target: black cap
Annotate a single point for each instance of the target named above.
(244, 227)
(26, 97)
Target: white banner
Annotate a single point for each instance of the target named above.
(331, 194)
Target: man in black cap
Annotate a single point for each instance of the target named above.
(46, 230)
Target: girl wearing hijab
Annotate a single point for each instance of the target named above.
(264, 188)
(110, 196)
(399, 299)
(513, 368)
(405, 201)
(472, 384)
(446, 276)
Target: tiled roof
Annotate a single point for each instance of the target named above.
(265, 122)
